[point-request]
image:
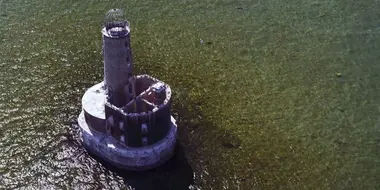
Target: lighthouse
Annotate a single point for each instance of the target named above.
(117, 58)
(126, 119)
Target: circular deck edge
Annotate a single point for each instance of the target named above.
(128, 158)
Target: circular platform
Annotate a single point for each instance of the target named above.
(108, 148)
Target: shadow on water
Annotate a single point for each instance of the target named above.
(189, 164)
(192, 165)
(203, 142)
(174, 174)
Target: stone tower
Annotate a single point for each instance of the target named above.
(126, 119)
(117, 55)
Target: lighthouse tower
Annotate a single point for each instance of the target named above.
(117, 58)
(126, 119)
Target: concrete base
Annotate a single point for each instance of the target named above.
(121, 156)
(112, 151)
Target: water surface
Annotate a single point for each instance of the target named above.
(268, 94)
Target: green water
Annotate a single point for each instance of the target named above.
(280, 94)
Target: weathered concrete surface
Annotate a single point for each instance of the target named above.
(118, 65)
(134, 133)
(95, 138)
(93, 107)
(144, 158)
(128, 125)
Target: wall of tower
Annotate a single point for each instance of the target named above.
(140, 124)
(138, 129)
(117, 68)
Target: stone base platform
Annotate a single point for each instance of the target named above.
(112, 151)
